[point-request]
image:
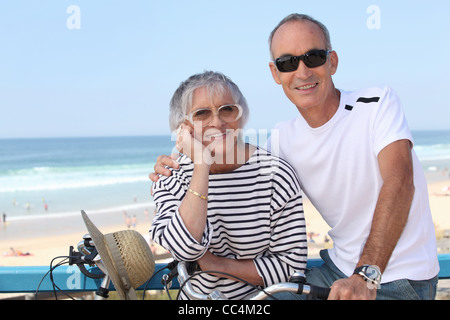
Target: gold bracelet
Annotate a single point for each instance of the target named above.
(197, 194)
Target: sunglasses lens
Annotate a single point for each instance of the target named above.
(229, 113)
(315, 58)
(202, 115)
(287, 64)
(312, 59)
(226, 113)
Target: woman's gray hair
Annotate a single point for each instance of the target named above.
(301, 17)
(216, 84)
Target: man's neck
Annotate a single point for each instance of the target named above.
(321, 114)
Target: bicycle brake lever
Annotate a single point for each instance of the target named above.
(80, 260)
(167, 278)
(192, 266)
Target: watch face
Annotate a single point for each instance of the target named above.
(372, 273)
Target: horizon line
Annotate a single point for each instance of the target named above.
(146, 135)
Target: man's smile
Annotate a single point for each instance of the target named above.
(307, 87)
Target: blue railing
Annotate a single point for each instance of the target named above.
(69, 278)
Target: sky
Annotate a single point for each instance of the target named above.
(109, 68)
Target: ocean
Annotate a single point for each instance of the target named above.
(60, 176)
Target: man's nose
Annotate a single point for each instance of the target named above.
(303, 72)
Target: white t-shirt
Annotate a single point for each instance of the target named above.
(338, 170)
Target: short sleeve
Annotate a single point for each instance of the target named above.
(389, 122)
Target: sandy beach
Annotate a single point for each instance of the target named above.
(44, 239)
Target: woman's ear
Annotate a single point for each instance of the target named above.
(188, 123)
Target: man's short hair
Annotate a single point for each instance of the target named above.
(301, 17)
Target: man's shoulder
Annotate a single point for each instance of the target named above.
(365, 95)
(287, 125)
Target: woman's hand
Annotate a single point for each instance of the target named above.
(191, 146)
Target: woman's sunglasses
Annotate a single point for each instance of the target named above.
(312, 59)
(227, 113)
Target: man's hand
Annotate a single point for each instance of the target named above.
(352, 288)
(160, 168)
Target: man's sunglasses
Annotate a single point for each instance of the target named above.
(312, 59)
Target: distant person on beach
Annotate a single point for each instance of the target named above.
(353, 154)
(15, 253)
(205, 210)
(146, 214)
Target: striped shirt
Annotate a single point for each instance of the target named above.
(254, 212)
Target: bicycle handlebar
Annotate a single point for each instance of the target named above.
(317, 292)
(189, 290)
(295, 287)
(88, 254)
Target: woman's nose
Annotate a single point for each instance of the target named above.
(216, 121)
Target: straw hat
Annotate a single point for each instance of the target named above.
(126, 257)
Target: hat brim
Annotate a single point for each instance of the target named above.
(110, 261)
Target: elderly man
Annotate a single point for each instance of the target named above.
(353, 154)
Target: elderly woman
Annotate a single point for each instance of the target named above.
(231, 206)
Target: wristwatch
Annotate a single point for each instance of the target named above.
(371, 274)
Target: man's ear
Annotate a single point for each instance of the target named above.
(274, 70)
(334, 61)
